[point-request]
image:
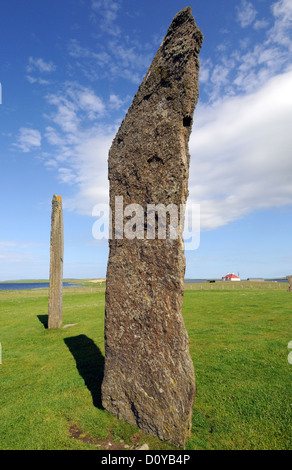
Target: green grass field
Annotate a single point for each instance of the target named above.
(50, 379)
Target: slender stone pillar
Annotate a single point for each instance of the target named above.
(56, 264)
(149, 376)
(289, 278)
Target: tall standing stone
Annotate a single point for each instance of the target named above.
(149, 377)
(289, 279)
(56, 264)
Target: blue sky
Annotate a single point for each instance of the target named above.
(69, 70)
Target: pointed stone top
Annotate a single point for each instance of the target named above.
(180, 21)
(57, 198)
(184, 13)
(175, 67)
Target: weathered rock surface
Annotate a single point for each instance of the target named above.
(149, 376)
(56, 264)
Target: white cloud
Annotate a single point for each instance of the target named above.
(74, 105)
(53, 137)
(281, 32)
(101, 58)
(86, 169)
(51, 163)
(240, 154)
(129, 58)
(66, 175)
(66, 114)
(220, 75)
(80, 146)
(260, 24)
(90, 103)
(28, 139)
(115, 102)
(39, 64)
(116, 59)
(246, 13)
(106, 11)
(38, 80)
(247, 68)
(90, 167)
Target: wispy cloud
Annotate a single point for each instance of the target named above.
(115, 102)
(86, 168)
(66, 175)
(106, 12)
(116, 58)
(28, 139)
(37, 65)
(113, 61)
(246, 68)
(90, 169)
(281, 32)
(80, 143)
(73, 104)
(40, 81)
(260, 24)
(66, 113)
(88, 102)
(245, 13)
(101, 58)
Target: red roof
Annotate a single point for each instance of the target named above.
(230, 276)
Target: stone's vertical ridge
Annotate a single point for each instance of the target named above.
(56, 264)
(149, 377)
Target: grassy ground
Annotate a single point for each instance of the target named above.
(50, 379)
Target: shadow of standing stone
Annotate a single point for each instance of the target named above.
(89, 363)
(44, 320)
